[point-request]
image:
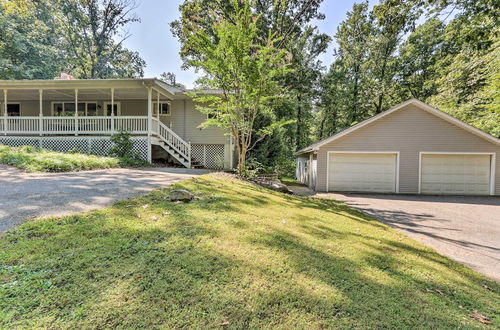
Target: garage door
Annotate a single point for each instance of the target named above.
(362, 172)
(455, 174)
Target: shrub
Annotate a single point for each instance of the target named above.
(123, 146)
(41, 160)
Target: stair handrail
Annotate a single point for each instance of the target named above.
(168, 136)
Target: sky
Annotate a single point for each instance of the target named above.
(155, 43)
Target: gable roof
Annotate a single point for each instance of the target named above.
(420, 105)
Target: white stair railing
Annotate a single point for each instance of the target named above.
(173, 140)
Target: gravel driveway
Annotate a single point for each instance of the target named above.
(466, 229)
(26, 195)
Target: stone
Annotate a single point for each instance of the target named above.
(180, 195)
(275, 185)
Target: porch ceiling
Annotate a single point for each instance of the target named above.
(98, 94)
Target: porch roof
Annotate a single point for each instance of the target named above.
(90, 89)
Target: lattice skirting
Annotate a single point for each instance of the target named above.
(88, 145)
(209, 155)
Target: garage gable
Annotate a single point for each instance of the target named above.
(411, 131)
(413, 103)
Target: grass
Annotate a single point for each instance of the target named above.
(41, 160)
(239, 256)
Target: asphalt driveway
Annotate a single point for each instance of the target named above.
(463, 228)
(27, 195)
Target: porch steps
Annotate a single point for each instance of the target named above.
(164, 137)
(171, 151)
(194, 163)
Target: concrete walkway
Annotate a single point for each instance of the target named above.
(27, 195)
(464, 228)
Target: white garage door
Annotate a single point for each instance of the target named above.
(362, 172)
(455, 174)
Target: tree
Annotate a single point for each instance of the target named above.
(94, 32)
(28, 41)
(392, 20)
(418, 57)
(235, 60)
(171, 79)
(344, 99)
(287, 20)
(468, 70)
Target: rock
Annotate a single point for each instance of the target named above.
(181, 195)
(275, 185)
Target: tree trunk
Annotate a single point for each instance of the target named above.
(299, 122)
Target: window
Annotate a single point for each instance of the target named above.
(68, 108)
(117, 108)
(164, 108)
(13, 109)
(91, 109)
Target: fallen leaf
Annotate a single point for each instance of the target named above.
(138, 215)
(167, 213)
(225, 323)
(145, 206)
(154, 218)
(481, 318)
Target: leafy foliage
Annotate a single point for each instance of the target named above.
(94, 33)
(451, 63)
(39, 39)
(288, 21)
(28, 40)
(42, 160)
(246, 72)
(122, 145)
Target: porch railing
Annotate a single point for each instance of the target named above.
(73, 125)
(172, 139)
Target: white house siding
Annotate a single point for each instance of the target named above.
(410, 131)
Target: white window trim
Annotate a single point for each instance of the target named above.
(2, 108)
(86, 106)
(118, 108)
(492, 165)
(155, 107)
(362, 152)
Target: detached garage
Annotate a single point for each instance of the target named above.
(412, 148)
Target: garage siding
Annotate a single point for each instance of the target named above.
(409, 130)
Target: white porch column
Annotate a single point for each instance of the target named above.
(150, 119)
(112, 110)
(5, 111)
(40, 120)
(158, 112)
(76, 112)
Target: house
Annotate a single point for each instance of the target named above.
(412, 148)
(68, 114)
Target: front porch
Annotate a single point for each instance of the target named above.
(81, 115)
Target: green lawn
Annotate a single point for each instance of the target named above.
(239, 256)
(41, 160)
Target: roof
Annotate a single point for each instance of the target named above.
(171, 91)
(315, 146)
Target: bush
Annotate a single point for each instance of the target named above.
(123, 146)
(41, 160)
